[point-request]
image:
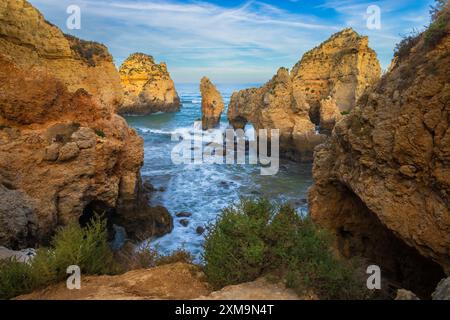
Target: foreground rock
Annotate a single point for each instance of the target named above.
(212, 104)
(148, 87)
(178, 281)
(382, 182)
(260, 289)
(442, 291)
(64, 155)
(171, 282)
(327, 81)
(29, 41)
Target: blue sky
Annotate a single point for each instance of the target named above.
(232, 41)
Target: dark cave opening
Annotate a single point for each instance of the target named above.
(361, 233)
(101, 209)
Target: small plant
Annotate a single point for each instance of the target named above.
(2, 127)
(257, 238)
(437, 30)
(100, 133)
(345, 113)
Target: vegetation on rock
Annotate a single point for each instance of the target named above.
(257, 238)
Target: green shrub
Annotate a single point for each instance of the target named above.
(100, 133)
(72, 245)
(256, 238)
(437, 30)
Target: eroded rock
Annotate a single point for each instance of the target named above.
(212, 104)
(382, 181)
(148, 86)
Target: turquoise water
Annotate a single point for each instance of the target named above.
(204, 190)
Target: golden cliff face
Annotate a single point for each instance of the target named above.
(342, 68)
(147, 86)
(382, 182)
(212, 104)
(64, 152)
(28, 40)
(327, 81)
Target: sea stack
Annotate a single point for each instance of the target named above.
(148, 87)
(327, 81)
(212, 104)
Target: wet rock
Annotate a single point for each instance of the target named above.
(148, 187)
(184, 215)
(184, 222)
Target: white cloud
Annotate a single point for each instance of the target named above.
(243, 43)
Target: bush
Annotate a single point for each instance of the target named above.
(408, 42)
(256, 238)
(100, 133)
(437, 30)
(72, 245)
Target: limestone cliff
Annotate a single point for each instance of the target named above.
(147, 86)
(327, 81)
(382, 182)
(29, 41)
(212, 104)
(342, 68)
(64, 153)
(276, 106)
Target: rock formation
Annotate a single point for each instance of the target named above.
(177, 281)
(212, 104)
(382, 181)
(276, 106)
(342, 68)
(147, 86)
(29, 41)
(327, 81)
(64, 153)
(329, 114)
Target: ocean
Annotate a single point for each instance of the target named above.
(205, 189)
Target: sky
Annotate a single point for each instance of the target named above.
(235, 41)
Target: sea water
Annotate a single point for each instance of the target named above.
(205, 189)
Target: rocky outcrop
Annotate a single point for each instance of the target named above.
(64, 154)
(277, 106)
(147, 86)
(382, 180)
(212, 104)
(327, 81)
(29, 41)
